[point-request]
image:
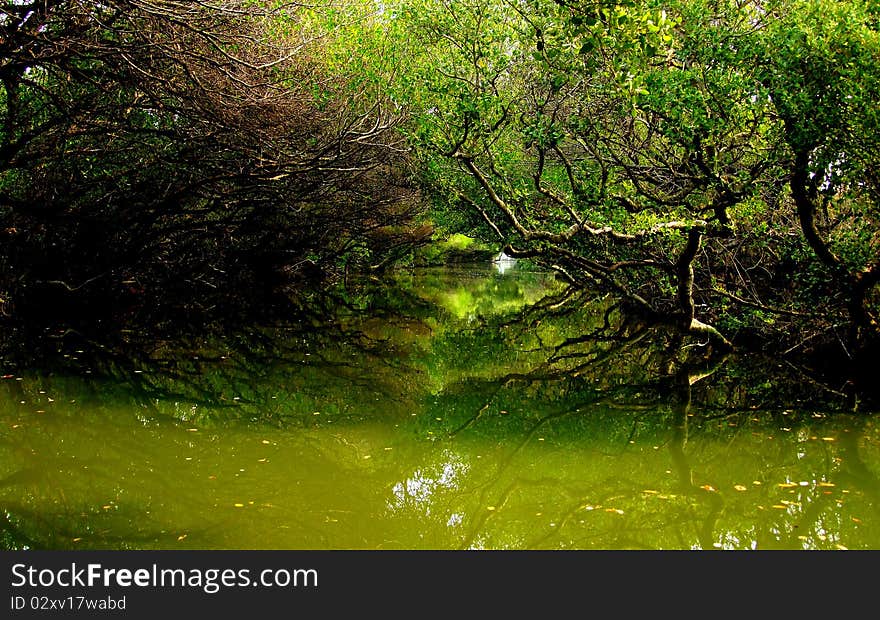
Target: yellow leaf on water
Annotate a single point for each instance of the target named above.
(266, 441)
(740, 487)
(182, 536)
(841, 547)
(239, 505)
(856, 519)
(779, 506)
(826, 484)
(829, 439)
(708, 487)
(650, 491)
(786, 485)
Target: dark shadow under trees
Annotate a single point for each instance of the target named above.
(183, 157)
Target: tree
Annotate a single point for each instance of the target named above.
(174, 153)
(821, 68)
(653, 150)
(596, 140)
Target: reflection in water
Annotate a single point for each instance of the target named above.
(418, 491)
(456, 409)
(504, 263)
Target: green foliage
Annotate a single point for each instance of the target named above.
(530, 120)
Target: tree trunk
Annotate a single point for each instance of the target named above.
(684, 268)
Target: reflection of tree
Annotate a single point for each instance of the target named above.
(682, 383)
(855, 470)
(614, 386)
(548, 426)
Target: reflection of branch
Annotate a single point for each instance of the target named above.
(684, 379)
(857, 471)
(470, 421)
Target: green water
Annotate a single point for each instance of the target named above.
(438, 409)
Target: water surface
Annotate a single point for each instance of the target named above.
(437, 409)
